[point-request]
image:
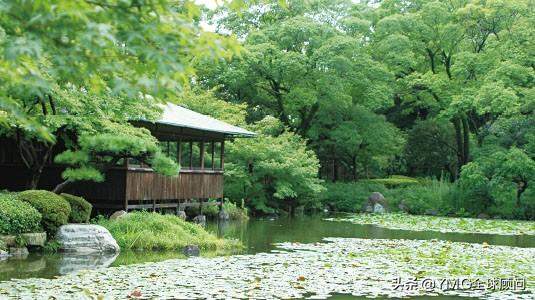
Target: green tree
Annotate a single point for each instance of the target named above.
(118, 51)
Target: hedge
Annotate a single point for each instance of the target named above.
(54, 209)
(16, 216)
(80, 208)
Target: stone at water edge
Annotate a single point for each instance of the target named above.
(223, 215)
(376, 197)
(378, 209)
(85, 238)
(200, 219)
(191, 250)
(31, 239)
(20, 252)
(431, 212)
(181, 214)
(368, 208)
(483, 216)
(3, 255)
(118, 214)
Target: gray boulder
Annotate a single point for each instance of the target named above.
(181, 214)
(18, 252)
(378, 209)
(431, 212)
(200, 219)
(118, 214)
(483, 216)
(368, 208)
(86, 239)
(191, 250)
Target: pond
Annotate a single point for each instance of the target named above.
(258, 235)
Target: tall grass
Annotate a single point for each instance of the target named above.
(153, 231)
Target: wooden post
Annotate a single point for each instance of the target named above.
(213, 150)
(202, 155)
(191, 155)
(179, 152)
(222, 162)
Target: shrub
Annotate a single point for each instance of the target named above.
(395, 181)
(54, 209)
(349, 197)
(210, 209)
(153, 231)
(80, 208)
(17, 216)
(235, 212)
(439, 195)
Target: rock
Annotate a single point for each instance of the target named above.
(31, 239)
(181, 214)
(20, 252)
(403, 207)
(431, 212)
(368, 208)
(3, 255)
(191, 250)
(118, 214)
(483, 216)
(85, 239)
(376, 197)
(378, 209)
(200, 219)
(223, 215)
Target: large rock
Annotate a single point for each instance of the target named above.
(18, 252)
(378, 209)
(85, 239)
(376, 204)
(181, 214)
(118, 214)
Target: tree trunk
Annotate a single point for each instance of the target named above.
(466, 140)
(62, 186)
(354, 161)
(459, 142)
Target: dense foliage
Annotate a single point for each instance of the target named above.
(73, 69)
(54, 209)
(153, 231)
(419, 88)
(80, 208)
(17, 216)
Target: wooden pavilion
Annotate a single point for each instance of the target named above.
(195, 141)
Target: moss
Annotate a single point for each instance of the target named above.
(153, 231)
(54, 209)
(17, 216)
(80, 208)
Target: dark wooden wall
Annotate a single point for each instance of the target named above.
(144, 184)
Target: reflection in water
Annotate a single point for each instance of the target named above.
(258, 235)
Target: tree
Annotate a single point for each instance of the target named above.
(271, 171)
(119, 51)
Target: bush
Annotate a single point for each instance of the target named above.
(54, 209)
(80, 208)
(16, 216)
(438, 195)
(153, 231)
(395, 181)
(235, 212)
(349, 197)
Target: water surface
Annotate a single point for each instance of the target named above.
(258, 235)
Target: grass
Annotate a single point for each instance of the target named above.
(444, 224)
(153, 231)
